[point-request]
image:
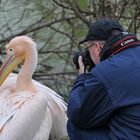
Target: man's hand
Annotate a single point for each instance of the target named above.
(81, 65)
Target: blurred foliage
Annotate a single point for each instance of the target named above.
(57, 26)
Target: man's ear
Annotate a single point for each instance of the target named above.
(98, 49)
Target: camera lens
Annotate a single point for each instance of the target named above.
(89, 64)
(76, 57)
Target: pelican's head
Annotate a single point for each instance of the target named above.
(16, 52)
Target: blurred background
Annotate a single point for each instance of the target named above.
(57, 26)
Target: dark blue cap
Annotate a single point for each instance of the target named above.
(102, 30)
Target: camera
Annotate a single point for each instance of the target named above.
(89, 64)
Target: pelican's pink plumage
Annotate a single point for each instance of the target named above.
(28, 109)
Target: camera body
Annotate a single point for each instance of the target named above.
(89, 64)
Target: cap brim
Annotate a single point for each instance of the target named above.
(83, 41)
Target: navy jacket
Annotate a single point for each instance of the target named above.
(109, 96)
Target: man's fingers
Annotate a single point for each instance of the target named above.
(81, 65)
(80, 61)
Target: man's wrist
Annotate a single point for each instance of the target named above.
(81, 71)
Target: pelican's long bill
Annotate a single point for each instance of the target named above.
(9, 65)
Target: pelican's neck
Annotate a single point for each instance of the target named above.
(24, 80)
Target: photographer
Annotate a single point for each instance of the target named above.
(104, 103)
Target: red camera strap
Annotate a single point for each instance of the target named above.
(120, 44)
(127, 42)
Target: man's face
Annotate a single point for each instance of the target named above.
(94, 48)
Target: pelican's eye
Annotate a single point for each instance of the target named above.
(11, 50)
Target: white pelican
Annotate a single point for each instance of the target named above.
(28, 109)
